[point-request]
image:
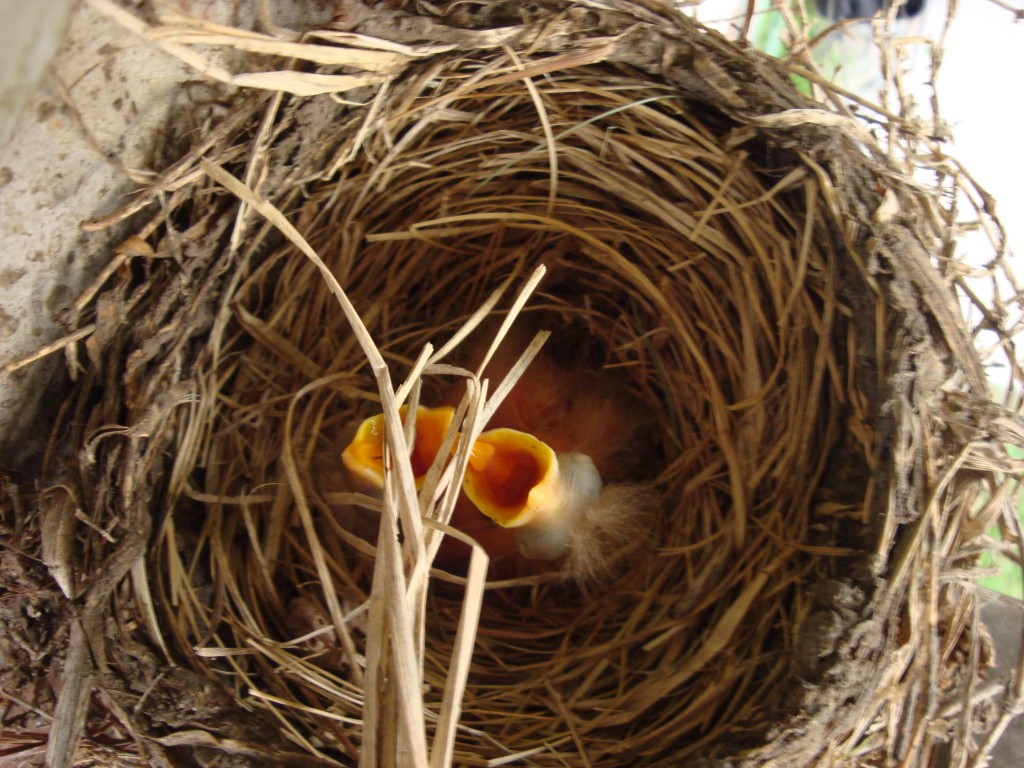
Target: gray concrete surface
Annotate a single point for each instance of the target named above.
(81, 125)
(80, 129)
(29, 37)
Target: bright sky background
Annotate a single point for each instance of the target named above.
(980, 97)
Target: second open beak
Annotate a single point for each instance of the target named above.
(513, 478)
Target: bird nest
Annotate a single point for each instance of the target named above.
(738, 275)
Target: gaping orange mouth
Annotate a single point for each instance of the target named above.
(364, 456)
(512, 477)
(509, 476)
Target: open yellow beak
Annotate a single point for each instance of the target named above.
(364, 456)
(513, 478)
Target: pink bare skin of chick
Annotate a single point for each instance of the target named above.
(573, 408)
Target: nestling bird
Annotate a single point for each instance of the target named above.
(603, 440)
(553, 484)
(521, 484)
(566, 400)
(364, 460)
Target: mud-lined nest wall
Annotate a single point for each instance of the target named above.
(757, 283)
